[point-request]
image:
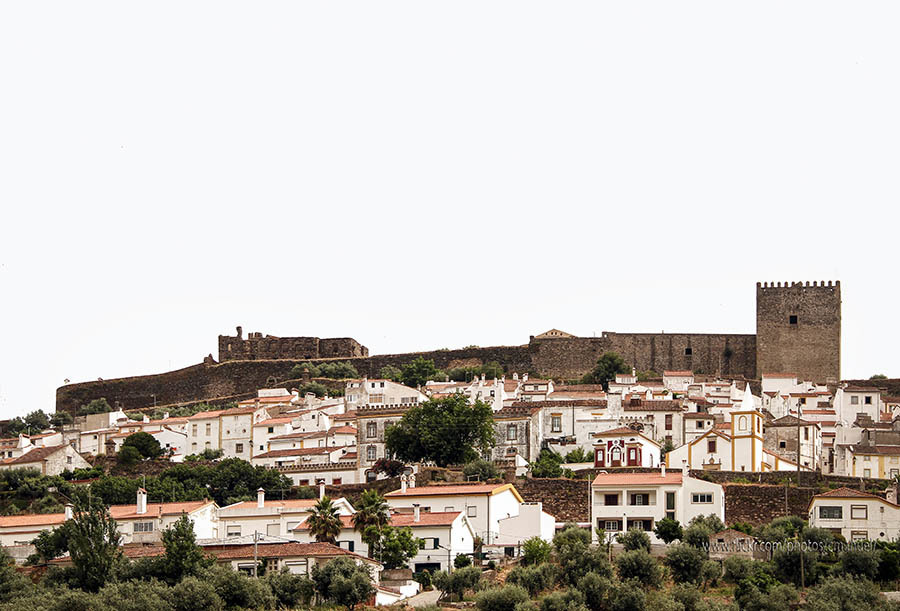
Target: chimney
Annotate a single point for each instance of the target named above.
(662, 468)
(685, 468)
(524, 377)
(69, 508)
(165, 415)
(416, 512)
(145, 419)
(141, 501)
(403, 483)
(412, 480)
(261, 498)
(321, 489)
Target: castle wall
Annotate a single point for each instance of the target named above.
(809, 345)
(260, 347)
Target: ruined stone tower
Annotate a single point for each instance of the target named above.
(798, 329)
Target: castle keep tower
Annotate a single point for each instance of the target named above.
(798, 329)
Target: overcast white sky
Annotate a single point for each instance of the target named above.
(420, 175)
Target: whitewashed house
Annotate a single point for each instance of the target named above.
(855, 515)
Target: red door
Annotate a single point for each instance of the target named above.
(598, 458)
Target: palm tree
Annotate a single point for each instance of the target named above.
(324, 521)
(370, 518)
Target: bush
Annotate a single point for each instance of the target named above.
(634, 539)
(628, 596)
(564, 600)
(129, 455)
(535, 578)
(136, 596)
(845, 593)
(858, 563)
(578, 561)
(786, 561)
(501, 599)
(639, 566)
(710, 571)
(685, 563)
(424, 578)
(193, 594)
(596, 590)
(668, 529)
(535, 551)
(343, 582)
(780, 598)
(482, 469)
(316, 388)
(548, 464)
(737, 568)
(578, 455)
(144, 443)
(457, 582)
(291, 590)
(238, 591)
(462, 561)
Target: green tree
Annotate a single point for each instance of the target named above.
(446, 431)
(291, 591)
(37, 421)
(879, 376)
(145, 443)
(371, 517)
(608, 365)
(548, 464)
(482, 470)
(324, 521)
(535, 551)
(129, 455)
(194, 594)
(396, 546)
(50, 544)
(462, 561)
(97, 406)
(685, 562)
(343, 582)
(183, 556)
(668, 529)
(500, 599)
(578, 455)
(634, 539)
(389, 372)
(846, 594)
(640, 566)
(418, 372)
(457, 582)
(316, 388)
(61, 419)
(93, 543)
(12, 583)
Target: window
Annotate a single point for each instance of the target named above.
(688, 352)
(867, 473)
(867, 400)
(668, 422)
(610, 499)
(640, 499)
(429, 543)
(271, 429)
(699, 424)
(336, 481)
(859, 535)
(742, 423)
(702, 497)
(143, 527)
(854, 400)
(670, 501)
(711, 446)
(556, 424)
(370, 453)
(347, 545)
(512, 432)
(233, 530)
(194, 446)
(612, 525)
(792, 319)
(208, 429)
(802, 400)
(238, 448)
(858, 512)
(371, 429)
(194, 430)
(261, 448)
(273, 530)
(805, 433)
(376, 398)
(208, 444)
(68, 460)
(382, 385)
(472, 511)
(827, 512)
(782, 445)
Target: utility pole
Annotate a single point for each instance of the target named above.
(255, 552)
(799, 420)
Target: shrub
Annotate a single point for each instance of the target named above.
(780, 598)
(290, 590)
(571, 535)
(710, 571)
(535, 551)
(129, 455)
(193, 594)
(668, 529)
(596, 590)
(457, 582)
(786, 561)
(462, 561)
(564, 600)
(501, 599)
(238, 591)
(634, 539)
(689, 597)
(846, 593)
(737, 568)
(424, 578)
(685, 562)
(578, 455)
(639, 566)
(578, 561)
(858, 563)
(548, 464)
(136, 596)
(144, 443)
(627, 596)
(482, 469)
(535, 578)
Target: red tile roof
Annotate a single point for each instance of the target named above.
(678, 373)
(426, 518)
(36, 455)
(466, 489)
(286, 504)
(650, 479)
(118, 512)
(294, 452)
(280, 550)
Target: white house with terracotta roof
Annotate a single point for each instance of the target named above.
(141, 522)
(443, 535)
(343, 436)
(850, 401)
(264, 430)
(621, 501)
(378, 392)
(855, 515)
(230, 430)
(299, 456)
(624, 447)
(271, 517)
(678, 381)
(49, 460)
(485, 505)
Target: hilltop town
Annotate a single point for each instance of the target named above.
(654, 433)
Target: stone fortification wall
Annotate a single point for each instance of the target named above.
(269, 347)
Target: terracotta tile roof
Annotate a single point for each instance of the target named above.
(520, 410)
(274, 421)
(678, 373)
(297, 435)
(622, 430)
(848, 492)
(449, 489)
(118, 512)
(286, 504)
(699, 416)
(205, 415)
(261, 400)
(294, 452)
(574, 403)
(663, 405)
(579, 388)
(36, 455)
(650, 479)
(892, 450)
(862, 389)
(779, 375)
(351, 415)
(343, 430)
(281, 550)
(426, 518)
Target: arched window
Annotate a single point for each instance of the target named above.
(742, 423)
